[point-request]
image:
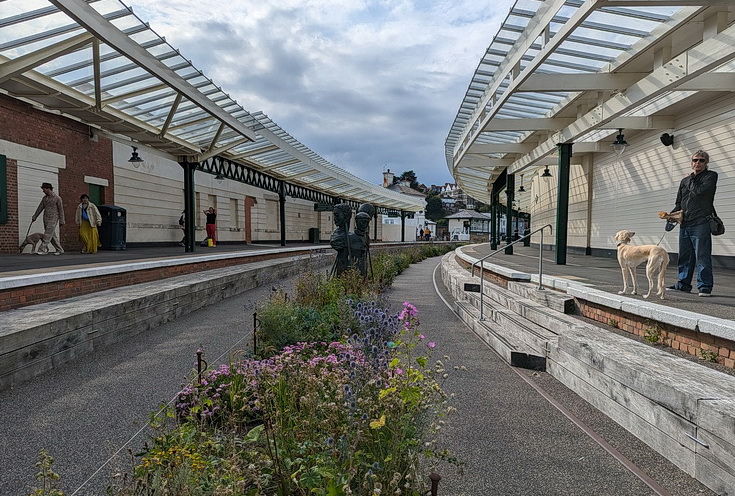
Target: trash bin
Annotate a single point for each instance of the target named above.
(527, 240)
(314, 235)
(112, 230)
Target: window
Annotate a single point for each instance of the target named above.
(97, 194)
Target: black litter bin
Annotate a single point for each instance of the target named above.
(112, 230)
(314, 235)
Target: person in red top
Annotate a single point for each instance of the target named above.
(211, 225)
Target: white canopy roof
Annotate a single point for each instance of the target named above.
(576, 71)
(95, 61)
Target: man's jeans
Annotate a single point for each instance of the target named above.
(695, 250)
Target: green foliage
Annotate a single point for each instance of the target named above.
(709, 355)
(434, 208)
(343, 401)
(653, 334)
(349, 418)
(613, 323)
(48, 479)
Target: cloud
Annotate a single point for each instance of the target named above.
(363, 83)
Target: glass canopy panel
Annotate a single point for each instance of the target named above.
(145, 101)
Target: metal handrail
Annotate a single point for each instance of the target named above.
(482, 260)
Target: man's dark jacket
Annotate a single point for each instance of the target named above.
(696, 196)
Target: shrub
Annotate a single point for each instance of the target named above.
(328, 418)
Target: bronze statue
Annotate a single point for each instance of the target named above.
(340, 238)
(353, 248)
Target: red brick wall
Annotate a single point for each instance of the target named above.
(21, 123)
(9, 231)
(686, 340)
(249, 204)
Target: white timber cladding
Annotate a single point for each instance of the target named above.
(543, 210)
(629, 191)
(152, 195)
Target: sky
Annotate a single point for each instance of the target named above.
(368, 85)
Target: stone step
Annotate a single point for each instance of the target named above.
(38, 338)
(679, 408)
(506, 344)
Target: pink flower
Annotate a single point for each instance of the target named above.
(431, 344)
(421, 336)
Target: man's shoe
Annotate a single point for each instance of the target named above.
(41, 253)
(675, 288)
(705, 292)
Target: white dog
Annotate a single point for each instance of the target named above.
(33, 240)
(630, 257)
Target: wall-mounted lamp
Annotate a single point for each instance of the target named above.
(135, 158)
(219, 178)
(619, 144)
(667, 139)
(546, 175)
(521, 189)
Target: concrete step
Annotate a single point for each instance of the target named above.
(506, 344)
(38, 338)
(679, 408)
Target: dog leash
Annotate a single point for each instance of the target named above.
(662, 238)
(29, 228)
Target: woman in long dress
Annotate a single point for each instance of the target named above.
(88, 218)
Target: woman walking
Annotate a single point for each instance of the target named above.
(88, 218)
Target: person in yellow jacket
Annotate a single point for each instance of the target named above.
(88, 218)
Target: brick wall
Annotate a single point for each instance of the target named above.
(9, 231)
(24, 125)
(686, 340)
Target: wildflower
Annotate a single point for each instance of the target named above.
(431, 344)
(377, 424)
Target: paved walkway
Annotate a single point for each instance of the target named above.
(513, 441)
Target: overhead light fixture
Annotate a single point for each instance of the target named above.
(619, 144)
(135, 158)
(546, 175)
(521, 189)
(667, 139)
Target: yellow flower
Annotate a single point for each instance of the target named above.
(377, 424)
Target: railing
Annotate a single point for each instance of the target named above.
(482, 261)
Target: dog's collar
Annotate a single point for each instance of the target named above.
(621, 243)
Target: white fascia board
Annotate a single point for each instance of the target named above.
(500, 148)
(540, 83)
(640, 122)
(687, 66)
(527, 124)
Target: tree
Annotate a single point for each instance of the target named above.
(434, 207)
(409, 176)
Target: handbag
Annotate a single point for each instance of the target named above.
(716, 226)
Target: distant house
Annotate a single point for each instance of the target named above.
(470, 225)
(391, 226)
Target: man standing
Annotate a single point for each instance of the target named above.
(696, 197)
(53, 213)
